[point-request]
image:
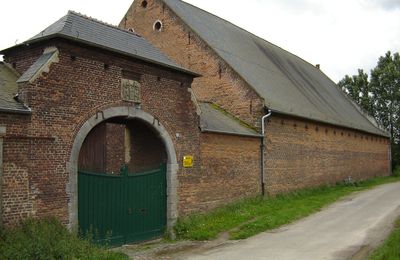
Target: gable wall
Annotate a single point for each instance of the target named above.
(219, 83)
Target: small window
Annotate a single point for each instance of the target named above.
(157, 26)
(144, 4)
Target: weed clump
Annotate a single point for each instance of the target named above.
(48, 239)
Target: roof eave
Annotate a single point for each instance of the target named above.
(204, 130)
(16, 111)
(384, 133)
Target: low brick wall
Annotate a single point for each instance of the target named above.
(303, 154)
(230, 170)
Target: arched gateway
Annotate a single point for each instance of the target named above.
(125, 213)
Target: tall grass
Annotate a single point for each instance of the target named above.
(390, 249)
(48, 239)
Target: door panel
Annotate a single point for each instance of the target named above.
(92, 156)
(122, 209)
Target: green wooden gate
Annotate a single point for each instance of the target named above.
(121, 209)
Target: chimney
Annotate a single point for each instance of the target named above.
(318, 66)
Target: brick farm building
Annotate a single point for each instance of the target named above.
(175, 112)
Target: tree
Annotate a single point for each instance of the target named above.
(379, 95)
(357, 88)
(385, 87)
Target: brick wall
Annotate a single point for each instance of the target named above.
(219, 83)
(16, 192)
(115, 147)
(35, 174)
(302, 154)
(230, 170)
(147, 150)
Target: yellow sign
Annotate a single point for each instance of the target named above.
(188, 161)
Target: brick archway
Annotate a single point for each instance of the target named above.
(129, 112)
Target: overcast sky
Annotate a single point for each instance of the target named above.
(341, 35)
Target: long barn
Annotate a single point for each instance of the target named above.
(123, 130)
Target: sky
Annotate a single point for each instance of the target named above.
(340, 35)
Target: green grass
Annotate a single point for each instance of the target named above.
(390, 249)
(48, 239)
(252, 216)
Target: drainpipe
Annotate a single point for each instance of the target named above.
(2, 133)
(263, 149)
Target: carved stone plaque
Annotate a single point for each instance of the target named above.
(130, 90)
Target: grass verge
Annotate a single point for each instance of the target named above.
(252, 216)
(48, 239)
(390, 249)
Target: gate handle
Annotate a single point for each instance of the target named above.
(143, 210)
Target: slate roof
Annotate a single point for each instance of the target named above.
(83, 29)
(8, 89)
(288, 84)
(213, 119)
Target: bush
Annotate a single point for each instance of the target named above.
(396, 172)
(48, 239)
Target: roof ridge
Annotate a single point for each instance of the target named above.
(102, 22)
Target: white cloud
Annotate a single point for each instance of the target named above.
(390, 5)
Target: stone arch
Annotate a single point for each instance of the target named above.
(129, 112)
